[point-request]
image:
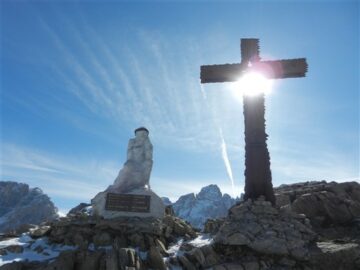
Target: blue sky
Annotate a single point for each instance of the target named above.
(78, 77)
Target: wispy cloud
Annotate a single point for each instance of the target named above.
(294, 164)
(77, 178)
(81, 178)
(134, 88)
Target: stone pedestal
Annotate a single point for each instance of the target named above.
(157, 207)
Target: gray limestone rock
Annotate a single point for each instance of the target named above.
(323, 203)
(66, 260)
(266, 230)
(128, 258)
(155, 259)
(212, 226)
(112, 260)
(39, 231)
(336, 256)
(12, 266)
(79, 209)
(88, 260)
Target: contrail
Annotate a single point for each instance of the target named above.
(225, 158)
(224, 154)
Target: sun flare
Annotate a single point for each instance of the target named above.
(251, 84)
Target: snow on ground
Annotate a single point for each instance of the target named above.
(201, 240)
(34, 250)
(89, 210)
(19, 241)
(174, 250)
(41, 250)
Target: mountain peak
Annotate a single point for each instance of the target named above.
(17, 200)
(208, 203)
(210, 192)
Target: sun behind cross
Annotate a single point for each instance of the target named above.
(251, 84)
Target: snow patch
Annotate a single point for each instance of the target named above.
(88, 210)
(30, 245)
(201, 240)
(23, 240)
(174, 249)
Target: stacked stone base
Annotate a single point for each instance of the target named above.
(122, 243)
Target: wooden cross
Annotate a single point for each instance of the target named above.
(257, 159)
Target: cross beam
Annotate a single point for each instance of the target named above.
(278, 69)
(257, 159)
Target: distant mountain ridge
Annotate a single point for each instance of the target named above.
(20, 205)
(208, 203)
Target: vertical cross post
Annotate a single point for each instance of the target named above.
(258, 180)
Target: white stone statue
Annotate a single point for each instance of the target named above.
(136, 171)
(133, 179)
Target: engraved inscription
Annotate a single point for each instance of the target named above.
(127, 202)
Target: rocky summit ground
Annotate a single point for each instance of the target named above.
(314, 226)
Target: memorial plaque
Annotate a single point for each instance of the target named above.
(127, 202)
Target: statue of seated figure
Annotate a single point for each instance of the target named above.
(136, 171)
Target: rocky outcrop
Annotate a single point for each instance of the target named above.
(257, 236)
(21, 205)
(212, 226)
(331, 207)
(209, 203)
(266, 230)
(81, 208)
(340, 256)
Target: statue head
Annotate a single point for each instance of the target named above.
(141, 132)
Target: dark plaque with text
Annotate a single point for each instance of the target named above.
(127, 202)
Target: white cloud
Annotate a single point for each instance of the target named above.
(77, 178)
